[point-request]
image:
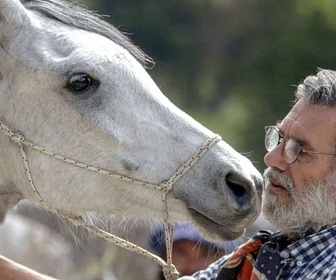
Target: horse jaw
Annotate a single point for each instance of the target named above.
(9, 197)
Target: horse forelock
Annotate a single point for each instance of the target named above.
(82, 18)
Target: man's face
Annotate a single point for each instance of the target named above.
(301, 195)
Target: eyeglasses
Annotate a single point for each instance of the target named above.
(291, 148)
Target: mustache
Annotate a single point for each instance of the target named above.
(280, 178)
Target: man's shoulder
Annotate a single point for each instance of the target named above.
(313, 257)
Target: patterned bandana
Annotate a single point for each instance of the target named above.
(256, 259)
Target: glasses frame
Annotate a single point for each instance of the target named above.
(298, 149)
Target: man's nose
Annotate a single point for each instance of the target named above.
(275, 158)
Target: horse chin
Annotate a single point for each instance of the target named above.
(213, 231)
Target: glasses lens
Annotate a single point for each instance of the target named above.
(291, 150)
(272, 138)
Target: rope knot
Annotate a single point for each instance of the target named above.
(17, 137)
(170, 272)
(166, 186)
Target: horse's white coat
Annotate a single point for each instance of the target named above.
(124, 124)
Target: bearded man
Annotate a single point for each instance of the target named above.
(299, 196)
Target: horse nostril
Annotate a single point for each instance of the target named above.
(237, 188)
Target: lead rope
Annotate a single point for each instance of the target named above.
(168, 268)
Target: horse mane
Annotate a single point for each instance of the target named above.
(82, 18)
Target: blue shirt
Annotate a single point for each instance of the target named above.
(311, 257)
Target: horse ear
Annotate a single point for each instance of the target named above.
(13, 16)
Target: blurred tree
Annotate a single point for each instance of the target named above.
(279, 46)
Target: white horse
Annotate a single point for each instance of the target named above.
(75, 86)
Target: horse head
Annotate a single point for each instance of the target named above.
(76, 86)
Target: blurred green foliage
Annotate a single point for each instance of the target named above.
(231, 64)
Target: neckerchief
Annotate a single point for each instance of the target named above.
(256, 259)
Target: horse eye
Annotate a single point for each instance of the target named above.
(80, 82)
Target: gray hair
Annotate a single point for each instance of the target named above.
(319, 89)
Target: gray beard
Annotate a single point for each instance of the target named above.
(293, 213)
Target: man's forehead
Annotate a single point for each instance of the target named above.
(308, 115)
(308, 121)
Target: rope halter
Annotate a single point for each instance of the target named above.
(168, 268)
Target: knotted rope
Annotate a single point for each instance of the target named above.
(168, 268)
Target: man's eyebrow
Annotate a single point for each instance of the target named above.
(302, 142)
